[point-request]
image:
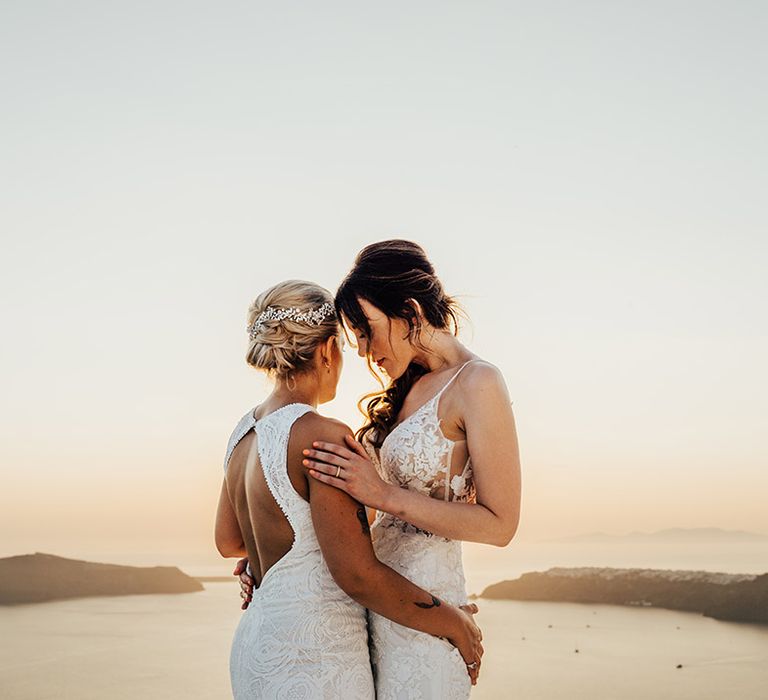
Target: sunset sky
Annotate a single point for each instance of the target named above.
(589, 178)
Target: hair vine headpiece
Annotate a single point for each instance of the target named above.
(313, 317)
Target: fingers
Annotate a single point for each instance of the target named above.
(322, 468)
(474, 671)
(240, 566)
(246, 580)
(331, 480)
(356, 446)
(327, 457)
(324, 458)
(333, 448)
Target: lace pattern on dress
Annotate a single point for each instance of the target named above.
(301, 636)
(416, 455)
(410, 665)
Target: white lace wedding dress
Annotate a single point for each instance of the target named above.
(410, 664)
(301, 637)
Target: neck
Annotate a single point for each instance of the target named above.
(441, 349)
(304, 389)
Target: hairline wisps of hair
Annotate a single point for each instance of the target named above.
(381, 408)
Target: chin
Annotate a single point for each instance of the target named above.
(395, 374)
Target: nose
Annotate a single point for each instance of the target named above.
(362, 347)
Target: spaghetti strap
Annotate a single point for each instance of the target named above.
(456, 374)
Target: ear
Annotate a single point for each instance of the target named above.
(326, 350)
(417, 310)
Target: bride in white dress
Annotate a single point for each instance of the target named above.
(439, 456)
(304, 634)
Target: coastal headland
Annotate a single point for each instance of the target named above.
(731, 597)
(37, 578)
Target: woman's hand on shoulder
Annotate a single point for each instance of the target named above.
(349, 468)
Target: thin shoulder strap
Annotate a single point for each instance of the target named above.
(456, 374)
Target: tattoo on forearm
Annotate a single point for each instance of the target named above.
(434, 604)
(363, 518)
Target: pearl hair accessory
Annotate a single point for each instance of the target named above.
(313, 317)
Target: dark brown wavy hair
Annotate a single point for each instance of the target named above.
(388, 274)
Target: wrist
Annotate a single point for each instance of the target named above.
(456, 624)
(388, 498)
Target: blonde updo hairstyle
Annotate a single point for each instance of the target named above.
(283, 348)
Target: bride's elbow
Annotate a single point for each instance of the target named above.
(230, 548)
(352, 582)
(503, 535)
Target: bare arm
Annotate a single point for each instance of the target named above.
(492, 443)
(229, 539)
(489, 425)
(342, 531)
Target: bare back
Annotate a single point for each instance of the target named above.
(295, 639)
(266, 532)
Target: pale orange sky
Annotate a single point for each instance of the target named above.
(596, 204)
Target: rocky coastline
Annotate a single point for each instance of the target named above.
(728, 597)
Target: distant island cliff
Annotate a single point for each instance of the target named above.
(35, 578)
(732, 597)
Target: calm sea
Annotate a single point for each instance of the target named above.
(177, 646)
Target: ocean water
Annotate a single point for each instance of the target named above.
(177, 646)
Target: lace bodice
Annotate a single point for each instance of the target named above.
(416, 455)
(301, 636)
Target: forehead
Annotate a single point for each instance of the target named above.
(371, 312)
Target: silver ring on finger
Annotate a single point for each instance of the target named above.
(473, 665)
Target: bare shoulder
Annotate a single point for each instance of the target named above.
(482, 381)
(312, 426)
(480, 373)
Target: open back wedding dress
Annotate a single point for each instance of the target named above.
(301, 637)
